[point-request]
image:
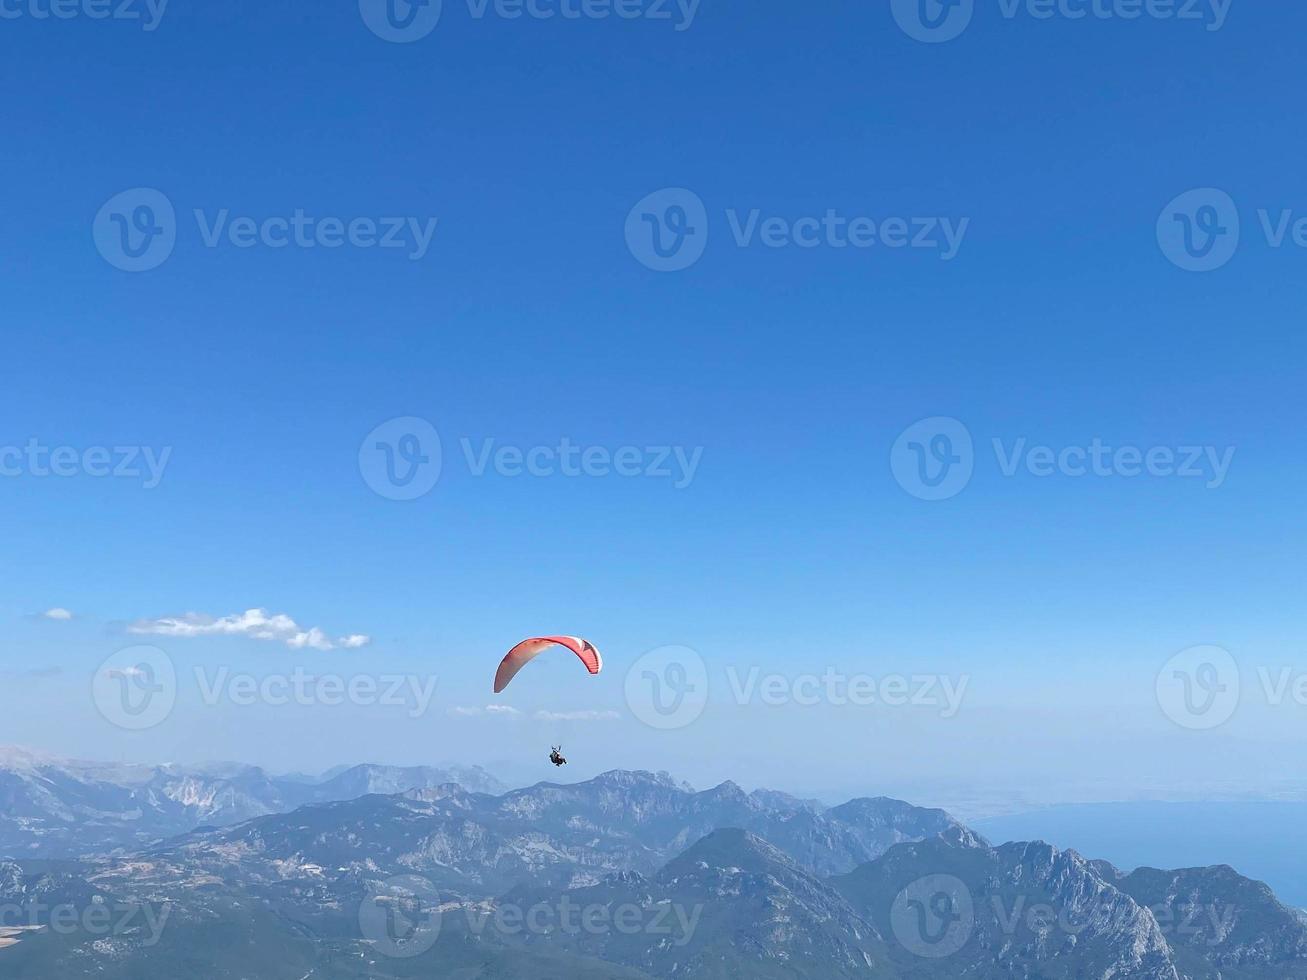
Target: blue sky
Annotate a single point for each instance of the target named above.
(793, 370)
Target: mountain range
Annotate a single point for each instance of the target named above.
(63, 808)
(629, 876)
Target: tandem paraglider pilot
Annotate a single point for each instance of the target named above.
(529, 649)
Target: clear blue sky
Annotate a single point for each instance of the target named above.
(1060, 320)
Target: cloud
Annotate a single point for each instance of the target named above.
(253, 623)
(503, 710)
(314, 638)
(577, 716)
(58, 613)
(125, 672)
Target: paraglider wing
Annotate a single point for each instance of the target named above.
(529, 649)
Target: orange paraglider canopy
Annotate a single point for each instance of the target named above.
(527, 650)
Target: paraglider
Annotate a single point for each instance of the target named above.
(528, 650)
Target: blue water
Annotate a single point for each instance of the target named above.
(1261, 840)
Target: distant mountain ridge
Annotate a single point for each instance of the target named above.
(548, 834)
(62, 808)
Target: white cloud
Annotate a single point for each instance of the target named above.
(503, 710)
(314, 638)
(59, 613)
(253, 623)
(577, 716)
